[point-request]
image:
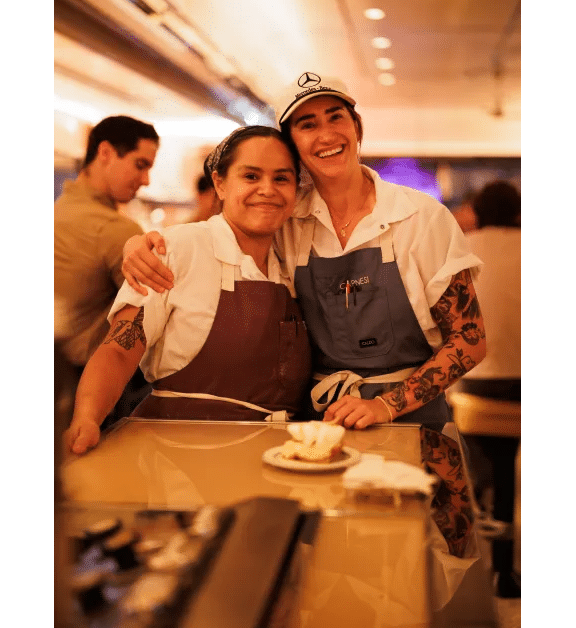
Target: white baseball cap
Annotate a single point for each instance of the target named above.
(308, 85)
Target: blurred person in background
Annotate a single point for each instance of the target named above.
(497, 241)
(90, 232)
(206, 199)
(228, 341)
(465, 215)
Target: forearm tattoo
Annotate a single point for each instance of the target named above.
(126, 333)
(458, 303)
(457, 315)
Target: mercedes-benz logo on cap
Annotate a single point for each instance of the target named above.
(308, 79)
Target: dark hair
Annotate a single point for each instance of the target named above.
(285, 126)
(223, 156)
(498, 205)
(122, 132)
(203, 183)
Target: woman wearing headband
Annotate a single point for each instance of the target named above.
(382, 272)
(228, 341)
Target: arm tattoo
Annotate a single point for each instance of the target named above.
(458, 304)
(398, 399)
(425, 389)
(126, 333)
(458, 317)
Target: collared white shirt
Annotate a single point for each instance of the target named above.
(429, 246)
(178, 321)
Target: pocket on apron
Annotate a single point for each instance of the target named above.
(364, 328)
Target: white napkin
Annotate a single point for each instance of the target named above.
(373, 472)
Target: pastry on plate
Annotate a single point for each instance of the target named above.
(314, 441)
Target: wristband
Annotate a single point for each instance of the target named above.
(386, 406)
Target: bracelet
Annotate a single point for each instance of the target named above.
(386, 406)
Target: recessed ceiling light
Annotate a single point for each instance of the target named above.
(381, 42)
(374, 14)
(386, 79)
(384, 63)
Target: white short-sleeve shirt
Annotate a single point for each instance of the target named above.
(429, 246)
(178, 321)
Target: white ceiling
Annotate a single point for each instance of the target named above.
(456, 64)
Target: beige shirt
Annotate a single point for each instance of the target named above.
(498, 289)
(89, 235)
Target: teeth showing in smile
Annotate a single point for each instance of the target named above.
(329, 153)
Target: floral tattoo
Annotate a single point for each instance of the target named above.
(458, 303)
(457, 315)
(126, 333)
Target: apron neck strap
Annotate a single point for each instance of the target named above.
(386, 245)
(306, 242)
(230, 274)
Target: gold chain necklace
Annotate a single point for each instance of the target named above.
(343, 228)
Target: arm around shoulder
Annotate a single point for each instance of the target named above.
(141, 266)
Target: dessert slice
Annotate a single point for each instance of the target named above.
(313, 441)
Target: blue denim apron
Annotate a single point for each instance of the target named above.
(361, 325)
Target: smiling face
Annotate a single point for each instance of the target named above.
(259, 189)
(326, 136)
(125, 175)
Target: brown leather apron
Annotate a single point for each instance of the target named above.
(257, 352)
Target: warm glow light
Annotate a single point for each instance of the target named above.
(78, 110)
(381, 42)
(386, 79)
(374, 14)
(202, 126)
(384, 63)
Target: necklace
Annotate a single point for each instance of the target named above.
(343, 228)
(359, 210)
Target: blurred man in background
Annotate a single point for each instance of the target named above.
(89, 234)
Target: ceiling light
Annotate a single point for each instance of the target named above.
(386, 79)
(374, 14)
(384, 63)
(381, 42)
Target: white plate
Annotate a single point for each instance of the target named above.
(347, 457)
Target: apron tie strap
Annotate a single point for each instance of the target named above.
(351, 384)
(278, 416)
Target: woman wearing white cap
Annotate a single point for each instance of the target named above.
(382, 272)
